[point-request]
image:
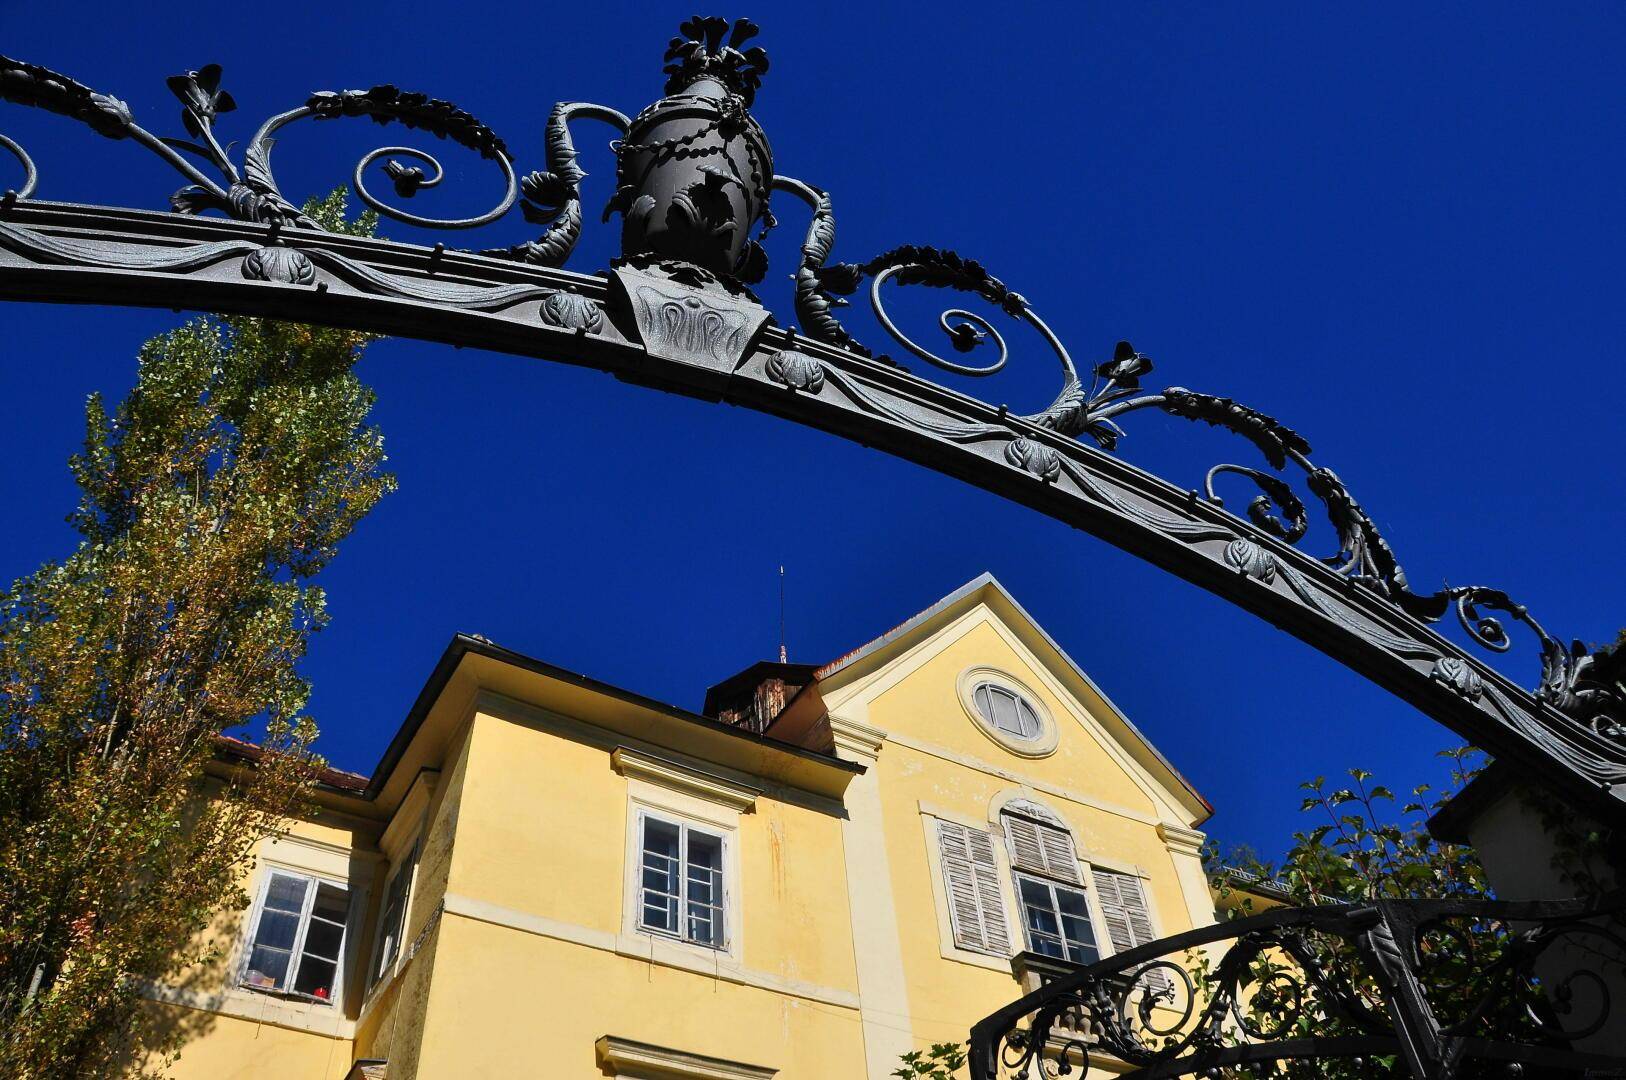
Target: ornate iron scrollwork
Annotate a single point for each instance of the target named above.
(694, 184)
(1459, 988)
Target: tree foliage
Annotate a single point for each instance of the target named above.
(940, 1061)
(1365, 845)
(209, 498)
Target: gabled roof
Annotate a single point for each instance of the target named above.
(987, 590)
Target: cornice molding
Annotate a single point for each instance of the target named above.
(856, 738)
(1181, 840)
(670, 774)
(643, 1061)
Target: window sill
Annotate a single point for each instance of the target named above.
(296, 1014)
(285, 995)
(662, 935)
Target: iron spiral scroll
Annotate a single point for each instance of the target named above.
(1425, 988)
(696, 190)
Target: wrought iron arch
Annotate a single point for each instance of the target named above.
(694, 176)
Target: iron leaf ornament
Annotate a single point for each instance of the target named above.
(694, 185)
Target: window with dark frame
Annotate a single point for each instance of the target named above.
(681, 891)
(392, 920)
(297, 944)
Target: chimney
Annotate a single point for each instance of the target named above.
(756, 696)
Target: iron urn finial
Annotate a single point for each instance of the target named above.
(694, 172)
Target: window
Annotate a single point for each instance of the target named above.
(1050, 886)
(1007, 711)
(1057, 920)
(681, 890)
(298, 937)
(971, 882)
(392, 920)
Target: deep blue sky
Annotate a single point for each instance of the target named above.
(1401, 233)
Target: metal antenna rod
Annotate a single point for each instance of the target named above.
(783, 655)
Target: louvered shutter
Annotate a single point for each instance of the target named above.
(971, 877)
(1128, 916)
(1042, 849)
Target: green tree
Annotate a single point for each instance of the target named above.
(1364, 846)
(939, 1062)
(209, 498)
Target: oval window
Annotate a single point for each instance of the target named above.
(1007, 711)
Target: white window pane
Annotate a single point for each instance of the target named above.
(706, 851)
(660, 839)
(266, 967)
(704, 881)
(286, 893)
(324, 939)
(1028, 720)
(1039, 913)
(1005, 712)
(332, 903)
(662, 875)
(316, 978)
(277, 929)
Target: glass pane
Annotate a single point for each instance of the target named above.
(661, 875)
(332, 903)
(277, 929)
(660, 912)
(323, 939)
(316, 978)
(660, 838)
(286, 893)
(704, 881)
(981, 698)
(386, 954)
(1079, 935)
(1029, 718)
(1004, 711)
(1039, 912)
(705, 925)
(266, 967)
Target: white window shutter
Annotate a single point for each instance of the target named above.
(1027, 850)
(1133, 891)
(971, 878)
(996, 934)
(1042, 849)
(1113, 910)
(1128, 916)
(1059, 854)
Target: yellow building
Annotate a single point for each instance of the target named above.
(548, 876)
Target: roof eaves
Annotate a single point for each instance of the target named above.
(462, 645)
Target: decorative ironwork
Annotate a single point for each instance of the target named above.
(1446, 988)
(694, 186)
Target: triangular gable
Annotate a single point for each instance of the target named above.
(1113, 729)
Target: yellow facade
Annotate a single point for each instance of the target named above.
(534, 823)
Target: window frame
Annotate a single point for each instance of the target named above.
(1054, 887)
(313, 881)
(1042, 743)
(377, 976)
(724, 917)
(1021, 707)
